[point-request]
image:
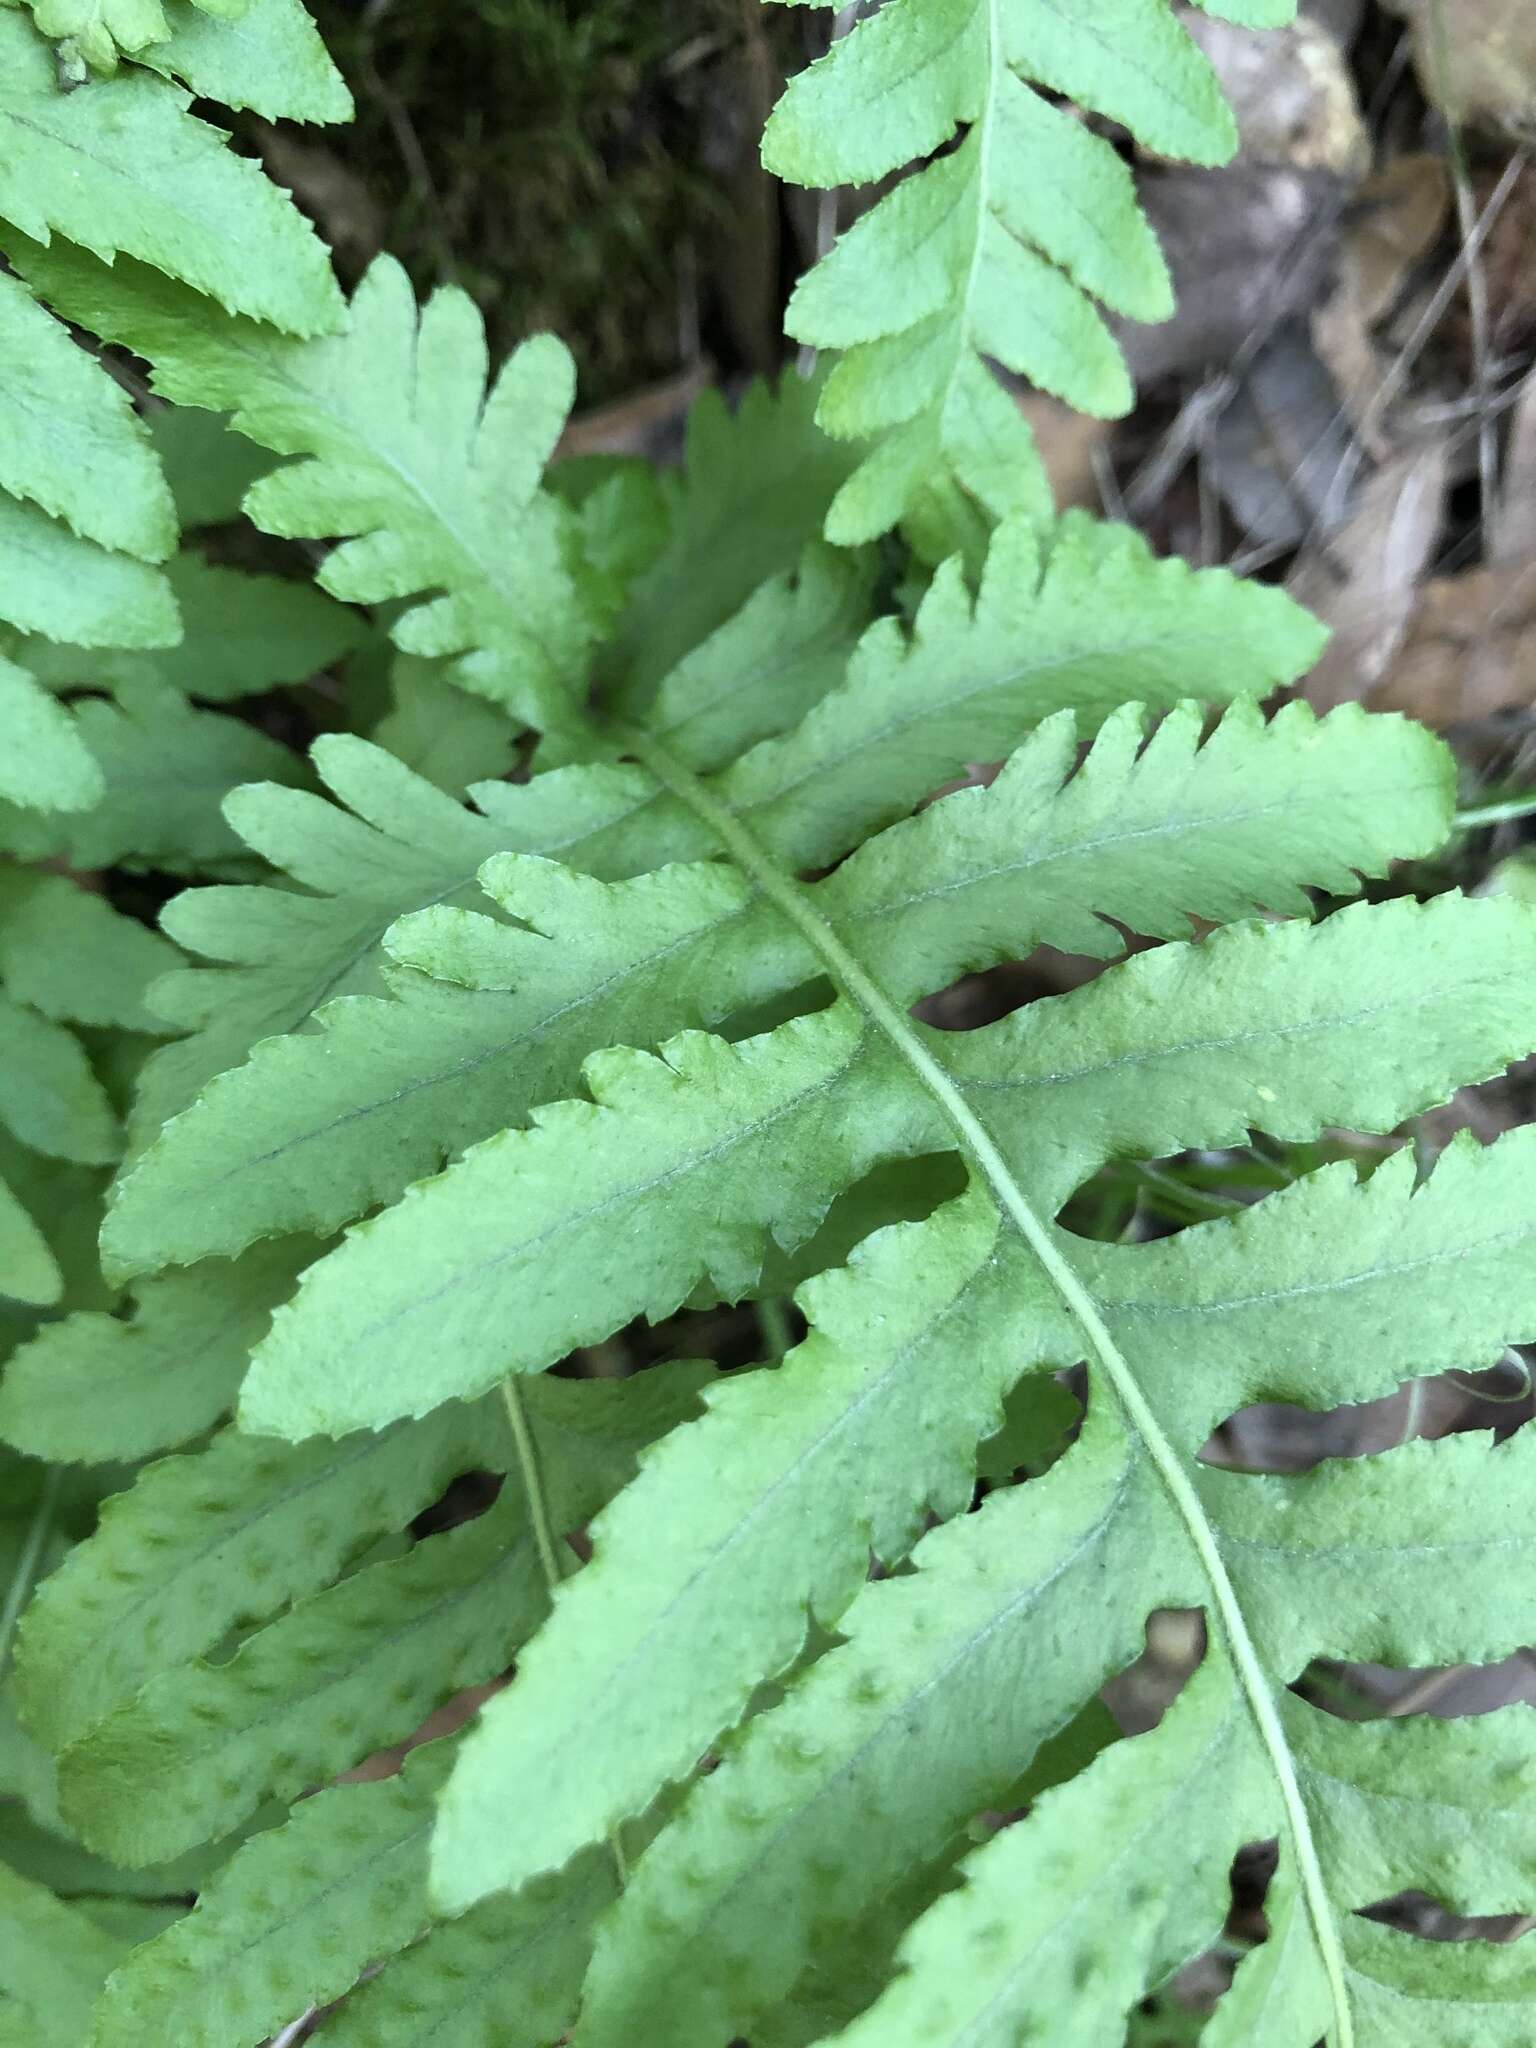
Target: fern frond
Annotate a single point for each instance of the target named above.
(751, 496)
(824, 1787)
(342, 1673)
(302, 1910)
(333, 1135)
(53, 1960)
(505, 1975)
(45, 764)
(208, 466)
(69, 438)
(101, 30)
(124, 170)
(95, 1387)
(166, 769)
(65, 951)
(55, 583)
(244, 634)
(889, 1388)
(286, 951)
(49, 1098)
(996, 248)
(775, 1107)
(205, 1543)
(296, 1916)
(163, 1745)
(1117, 1835)
(265, 55)
(760, 670)
(432, 478)
(32, 1274)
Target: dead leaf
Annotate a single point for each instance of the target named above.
(1393, 222)
(1282, 455)
(1472, 650)
(1066, 442)
(1476, 59)
(1292, 92)
(1246, 247)
(1513, 540)
(640, 423)
(1369, 583)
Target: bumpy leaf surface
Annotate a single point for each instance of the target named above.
(996, 249)
(447, 1065)
(433, 477)
(124, 169)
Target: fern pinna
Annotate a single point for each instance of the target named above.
(479, 1085)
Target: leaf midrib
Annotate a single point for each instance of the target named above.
(989, 1164)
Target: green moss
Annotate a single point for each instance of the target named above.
(569, 164)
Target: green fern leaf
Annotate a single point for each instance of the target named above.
(53, 582)
(167, 769)
(405, 449)
(356, 1666)
(69, 439)
(95, 1387)
(53, 1960)
(102, 30)
(774, 1106)
(31, 1271)
(123, 169)
(205, 1543)
(401, 844)
(266, 55)
(760, 670)
(506, 1975)
(65, 951)
(302, 1911)
(441, 734)
(821, 1775)
(887, 1397)
(63, 1201)
(45, 764)
(995, 249)
(162, 1747)
(304, 1139)
(49, 1098)
(295, 1918)
(209, 467)
(244, 634)
(752, 494)
(976, 1967)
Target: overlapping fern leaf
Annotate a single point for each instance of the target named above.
(995, 249)
(120, 166)
(465, 1087)
(641, 893)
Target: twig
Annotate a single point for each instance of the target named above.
(26, 1565)
(826, 205)
(295, 2031)
(1477, 283)
(1478, 815)
(544, 1537)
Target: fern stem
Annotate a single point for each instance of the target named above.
(544, 1537)
(26, 1565)
(777, 1330)
(987, 1159)
(546, 1541)
(1495, 814)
